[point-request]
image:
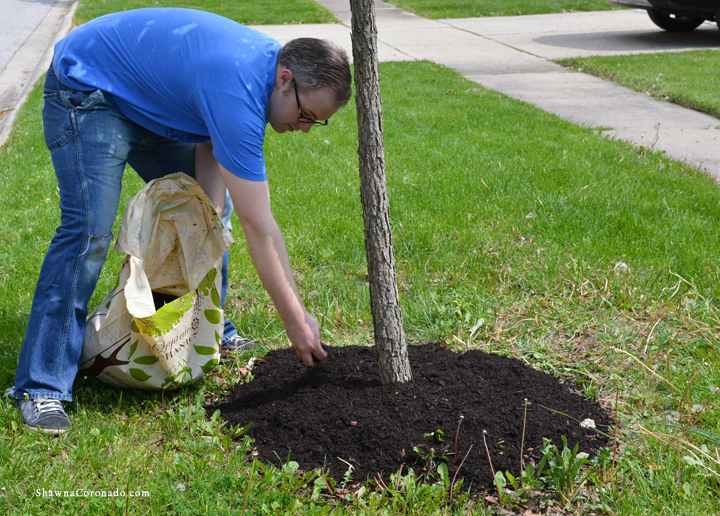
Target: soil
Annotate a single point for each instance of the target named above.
(338, 413)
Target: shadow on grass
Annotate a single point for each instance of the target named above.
(92, 393)
(12, 333)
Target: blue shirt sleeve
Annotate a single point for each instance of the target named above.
(237, 132)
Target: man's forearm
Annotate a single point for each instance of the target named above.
(270, 257)
(265, 240)
(269, 254)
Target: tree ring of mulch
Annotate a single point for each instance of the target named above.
(338, 413)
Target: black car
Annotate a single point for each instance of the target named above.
(676, 15)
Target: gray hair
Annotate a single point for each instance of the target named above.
(316, 63)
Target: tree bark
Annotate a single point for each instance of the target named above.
(384, 299)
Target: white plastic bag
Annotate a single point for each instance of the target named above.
(174, 243)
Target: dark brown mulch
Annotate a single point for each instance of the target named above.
(339, 410)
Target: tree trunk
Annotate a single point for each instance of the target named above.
(384, 299)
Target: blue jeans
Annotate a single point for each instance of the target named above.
(230, 330)
(90, 142)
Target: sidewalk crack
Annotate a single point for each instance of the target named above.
(349, 26)
(488, 38)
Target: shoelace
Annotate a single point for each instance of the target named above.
(48, 406)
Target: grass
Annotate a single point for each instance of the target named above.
(690, 79)
(248, 12)
(472, 8)
(514, 231)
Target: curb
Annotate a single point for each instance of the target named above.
(16, 63)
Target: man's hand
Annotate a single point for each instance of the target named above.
(305, 338)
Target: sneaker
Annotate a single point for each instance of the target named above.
(237, 343)
(44, 415)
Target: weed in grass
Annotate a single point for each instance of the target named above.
(563, 471)
(429, 455)
(403, 494)
(454, 484)
(497, 485)
(524, 488)
(559, 477)
(5, 495)
(454, 471)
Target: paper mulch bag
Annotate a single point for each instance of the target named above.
(174, 243)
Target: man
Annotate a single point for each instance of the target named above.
(165, 90)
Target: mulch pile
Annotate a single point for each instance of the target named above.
(338, 413)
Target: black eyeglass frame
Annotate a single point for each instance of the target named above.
(301, 118)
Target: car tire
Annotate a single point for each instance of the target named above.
(674, 22)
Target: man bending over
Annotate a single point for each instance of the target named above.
(165, 90)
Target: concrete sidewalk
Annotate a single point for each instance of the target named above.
(514, 55)
(28, 31)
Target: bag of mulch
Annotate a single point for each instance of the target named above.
(161, 326)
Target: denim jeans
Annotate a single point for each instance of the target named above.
(90, 142)
(230, 331)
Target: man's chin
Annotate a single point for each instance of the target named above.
(280, 128)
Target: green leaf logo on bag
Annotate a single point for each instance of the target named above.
(207, 283)
(215, 297)
(209, 366)
(139, 374)
(168, 382)
(213, 316)
(205, 350)
(134, 345)
(146, 360)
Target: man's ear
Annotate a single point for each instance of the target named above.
(284, 78)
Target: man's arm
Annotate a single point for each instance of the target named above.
(208, 175)
(269, 255)
(267, 248)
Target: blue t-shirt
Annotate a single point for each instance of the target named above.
(188, 75)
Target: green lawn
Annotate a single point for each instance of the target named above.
(248, 12)
(473, 8)
(691, 79)
(514, 231)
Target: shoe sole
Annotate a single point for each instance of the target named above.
(48, 431)
(248, 346)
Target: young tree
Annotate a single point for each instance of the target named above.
(384, 299)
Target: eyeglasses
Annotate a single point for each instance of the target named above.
(302, 118)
